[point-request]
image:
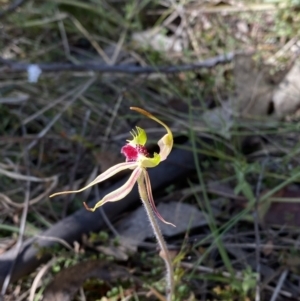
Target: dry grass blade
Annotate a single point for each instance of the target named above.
(279, 285)
(239, 8)
(33, 201)
(18, 176)
(82, 89)
(100, 51)
(39, 276)
(51, 105)
(19, 243)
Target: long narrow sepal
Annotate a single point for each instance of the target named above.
(151, 200)
(104, 176)
(166, 142)
(119, 193)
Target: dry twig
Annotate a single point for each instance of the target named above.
(15, 67)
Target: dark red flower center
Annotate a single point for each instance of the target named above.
(131, 153)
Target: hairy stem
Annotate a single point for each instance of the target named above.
(157, 232)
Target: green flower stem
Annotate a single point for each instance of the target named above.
(157, 232)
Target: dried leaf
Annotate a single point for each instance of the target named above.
(157, 41)
(286, 98)
(255, 83)
(283, 208)
(253, 86)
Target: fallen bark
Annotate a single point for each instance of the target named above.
(179, 164)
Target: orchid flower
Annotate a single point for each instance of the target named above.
(137, 159)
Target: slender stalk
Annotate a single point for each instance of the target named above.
(160, 239)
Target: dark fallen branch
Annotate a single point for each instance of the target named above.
(179, 164)
(14, 66)
(12, 7)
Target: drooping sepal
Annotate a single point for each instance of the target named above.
(119, 193)
(151, 200)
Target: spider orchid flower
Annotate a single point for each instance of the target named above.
(138, 160)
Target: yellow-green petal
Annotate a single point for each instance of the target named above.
(166, 142)
(119, 193)
(147, 162)
(104, 176)
(139, 136)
